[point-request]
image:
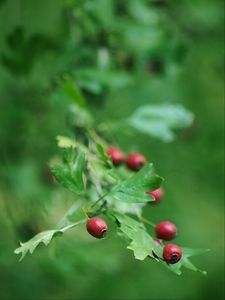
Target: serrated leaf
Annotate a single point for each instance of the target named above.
(133, 189)
(160, 121)
(141, 238)
(141, 243)
(44, 237)
(70, 174)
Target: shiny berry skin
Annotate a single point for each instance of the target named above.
(136, 161)
(157, 194)
(97, 227)
(172, 253)
(116, 155)
(166, 231)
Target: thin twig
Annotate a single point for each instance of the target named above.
(141, 218)
(73, 225)
(101, 198)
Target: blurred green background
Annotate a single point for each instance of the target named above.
(122, 54)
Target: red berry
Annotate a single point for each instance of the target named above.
(166, 230)
(157, 194)
(97, 227)
(172, 253)
(136, 161)
(116, 155)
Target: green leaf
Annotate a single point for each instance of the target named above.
(70, 174)
(72, 91)
(104, 155)
(139, 240)
(44, 237)
(159, 121)
(129, 208)
(102, 152)
(133, 189)
(143, 245)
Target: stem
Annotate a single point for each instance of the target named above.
(101, 198)
(145, 220)
(71, 210)
(73, 225)
(93, 134)
(85, 213)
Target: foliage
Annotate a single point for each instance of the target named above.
(68, 67)
(159, 121)
(70, 175)
(144, 246)
(44, 237)
(113, 187)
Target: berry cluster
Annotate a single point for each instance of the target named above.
(134, 161)
(165, 231)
